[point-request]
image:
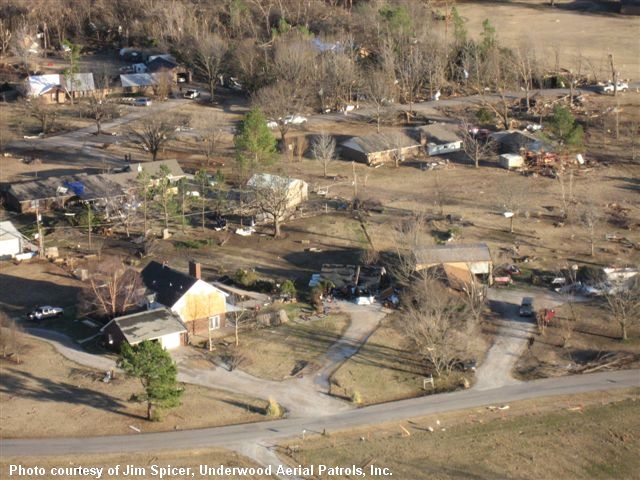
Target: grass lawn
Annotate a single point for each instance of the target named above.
(591, 436)
(275, 353)
(384, 370)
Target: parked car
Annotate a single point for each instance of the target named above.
(526, 307)
(295, 120)
(272, 124)
(609, 87)
(46, 311)
(142, 102)
(191, 94)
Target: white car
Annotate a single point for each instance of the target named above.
(272, 124)
(295, 120)
(608, 88)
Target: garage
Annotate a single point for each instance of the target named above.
(159, 324)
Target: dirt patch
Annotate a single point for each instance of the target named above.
(494, 443)
(28, 284)
(49, 396)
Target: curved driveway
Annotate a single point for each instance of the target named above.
(281, 429)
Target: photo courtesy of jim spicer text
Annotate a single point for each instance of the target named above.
(202, 471)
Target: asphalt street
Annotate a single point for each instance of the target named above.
(291, 428)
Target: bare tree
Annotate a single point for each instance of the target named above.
(624, 306)
(111, 290)
(590, 218)
(512, 202)
(475, 146)
(524, 62)
(433, 326)
(379, 91)
(277, 102)
(210, 137)
(42, 111)
(163, 84)
(5, 38)
(209, 55)
(164, 193)
(323, 149)
(155, 131)
(273, 197)
(101, 109)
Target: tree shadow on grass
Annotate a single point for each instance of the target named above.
(26, 385)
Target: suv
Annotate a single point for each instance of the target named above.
(40, 313)
(526, 307)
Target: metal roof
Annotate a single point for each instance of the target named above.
(463, 253)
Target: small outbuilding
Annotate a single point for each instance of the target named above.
(474, 258)
(297, 191)
(439, 138)
(511, 160)
(10, 240)
(158, 324)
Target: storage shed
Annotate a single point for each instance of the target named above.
(10, 240)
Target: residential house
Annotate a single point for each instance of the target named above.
(297, 191)
(158, 64)
(514, 141)
(138, 83)
(10, 240)
(460, 262)
(199, 305)
(159, 325)
(56, 192)
(439, 138)
(379, 148)
(55, 88)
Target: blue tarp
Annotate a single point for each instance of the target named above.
(75, 187)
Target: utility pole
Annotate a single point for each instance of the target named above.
(89, 221)
(355, 180)
(40, 235)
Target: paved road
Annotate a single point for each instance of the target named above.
(291, 428)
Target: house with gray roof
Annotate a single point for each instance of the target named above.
(55, 88)
(159, 324)
(55, 192)
(379, 148)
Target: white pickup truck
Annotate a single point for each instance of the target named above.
(40, 313)
(609, 87)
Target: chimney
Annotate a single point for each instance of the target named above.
(195, 270)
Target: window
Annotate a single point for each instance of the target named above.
(214, 322)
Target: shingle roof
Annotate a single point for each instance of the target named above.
(169, 284)
(437, 254)
(380, 142)
(148, 325)
(93, 187)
